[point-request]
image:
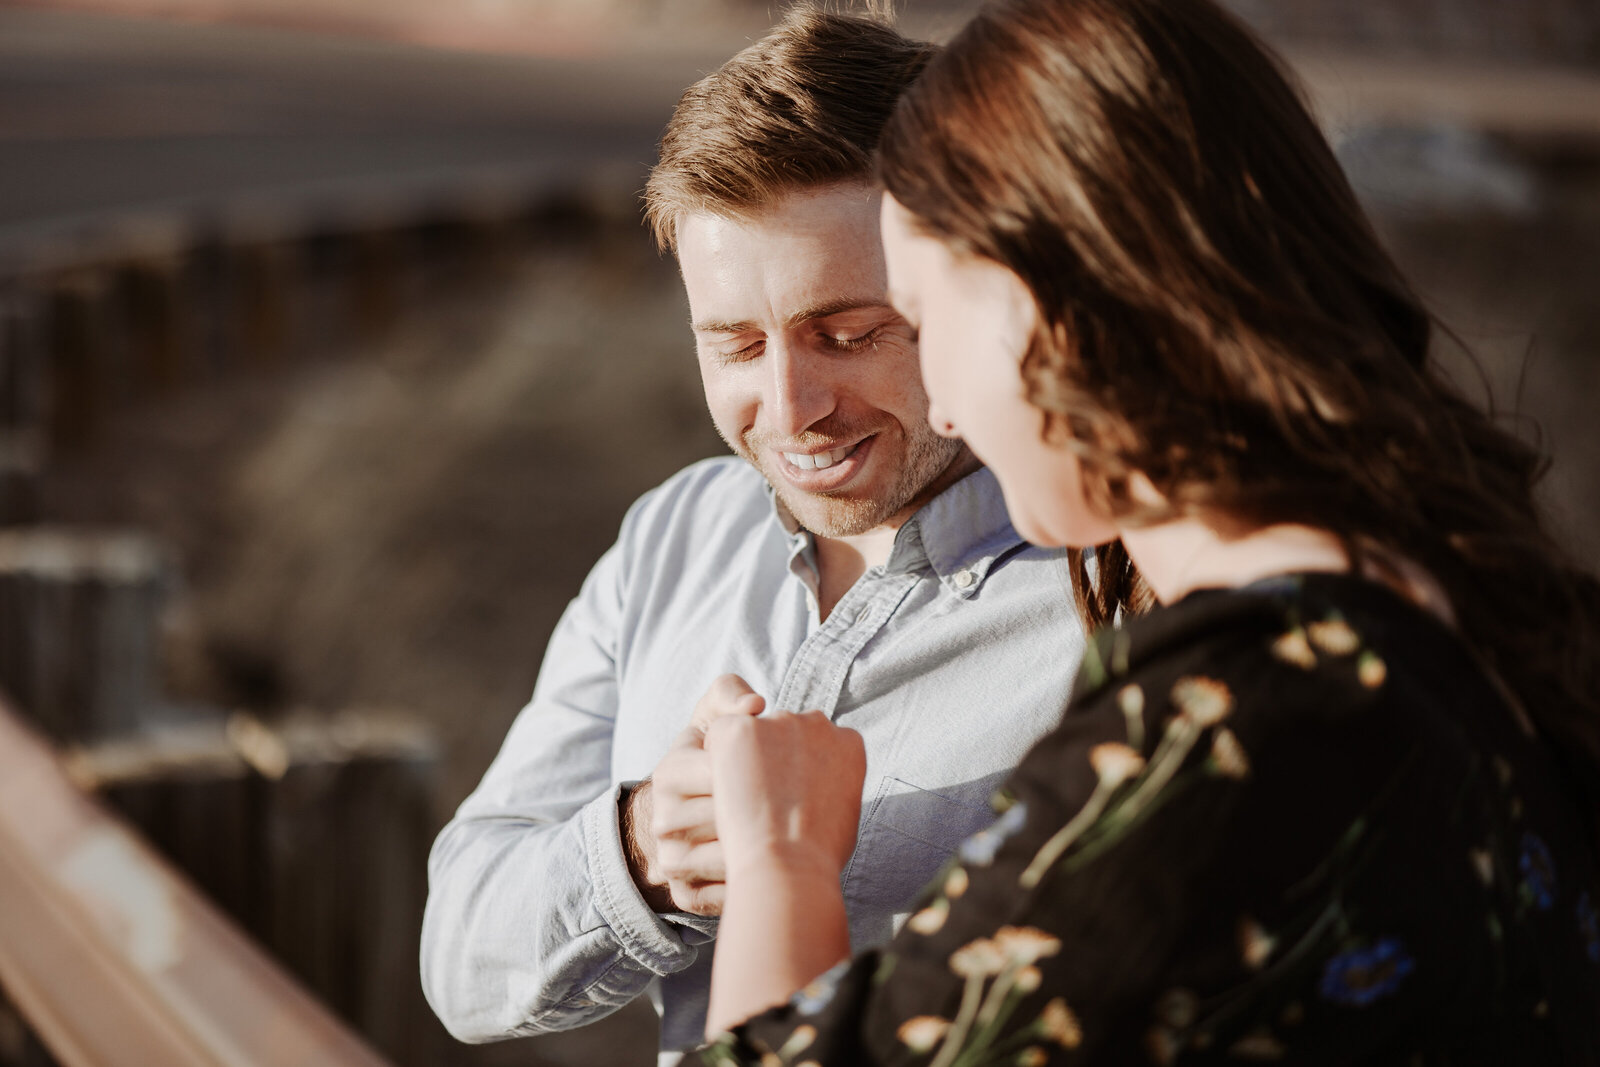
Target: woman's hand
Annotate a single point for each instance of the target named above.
(787, 793)
(787, 790)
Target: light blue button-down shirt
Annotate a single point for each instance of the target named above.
(950, 659)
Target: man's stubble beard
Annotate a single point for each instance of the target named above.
(926, 456)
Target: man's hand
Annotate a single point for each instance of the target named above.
(668, 821)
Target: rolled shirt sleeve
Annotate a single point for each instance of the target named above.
(533, 923)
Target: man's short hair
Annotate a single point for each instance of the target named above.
(802, 107)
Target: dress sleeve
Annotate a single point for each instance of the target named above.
(1170, 873)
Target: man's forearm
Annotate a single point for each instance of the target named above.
(504, 906)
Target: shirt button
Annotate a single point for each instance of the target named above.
(964, 579)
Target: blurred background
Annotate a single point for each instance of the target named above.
(332, 351)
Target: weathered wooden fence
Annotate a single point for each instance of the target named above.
(307, 829)
(311, 831)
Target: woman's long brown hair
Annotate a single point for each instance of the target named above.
(1217, 313)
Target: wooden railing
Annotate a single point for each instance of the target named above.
(115, 960)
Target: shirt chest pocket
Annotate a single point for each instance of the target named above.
(907, 835)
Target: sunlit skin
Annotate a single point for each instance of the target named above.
(812, 377)
(809, 373)
(784, 918)
(975, 319)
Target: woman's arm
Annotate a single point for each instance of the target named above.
(788, 798)
(783, 923)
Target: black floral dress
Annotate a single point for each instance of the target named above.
(1294, 822)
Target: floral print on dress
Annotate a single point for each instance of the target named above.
(1228, 756)
(1416, 850)
(1334, 636)
(979, 849)
(1589, 928)
(1538, 872)
(1201, 704)
(1359, 976)
(1294, 647)
(1204, 701)
(1256, 946)
(1371, 671)
(997, 973)
(819, 992)
(1130, 701)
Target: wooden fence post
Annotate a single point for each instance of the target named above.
(311, 832)
(21, 409)
(77, 340)
(79, 627)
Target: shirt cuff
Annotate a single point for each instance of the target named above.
(644, 935)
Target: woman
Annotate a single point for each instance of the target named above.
(1333, 799)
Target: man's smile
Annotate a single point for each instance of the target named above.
(818, 460)
(825, 470)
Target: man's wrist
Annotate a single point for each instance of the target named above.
(633, 820)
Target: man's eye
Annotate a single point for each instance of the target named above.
(852, 344)
(740, 355)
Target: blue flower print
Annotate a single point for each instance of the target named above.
(1278, 585)
(1538, 872)
(1362, 975)
(1589, 926)
(979, 849)
(812, 998)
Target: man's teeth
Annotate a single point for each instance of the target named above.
(818, 460)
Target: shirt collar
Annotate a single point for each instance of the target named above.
(959, 534)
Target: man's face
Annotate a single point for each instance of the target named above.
(808, 372)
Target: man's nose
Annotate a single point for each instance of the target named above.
(799, 390)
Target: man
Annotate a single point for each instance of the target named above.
(848, 559)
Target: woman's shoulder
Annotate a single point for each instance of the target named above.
(1328, 770)
(1288, 649)
(1271, 660)
(1325, 694)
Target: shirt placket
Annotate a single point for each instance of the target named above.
(817, 673)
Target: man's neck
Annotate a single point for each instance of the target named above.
(843, 560)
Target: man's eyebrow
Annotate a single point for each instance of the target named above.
(804, 315)
(721, 327)
(834, 307)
